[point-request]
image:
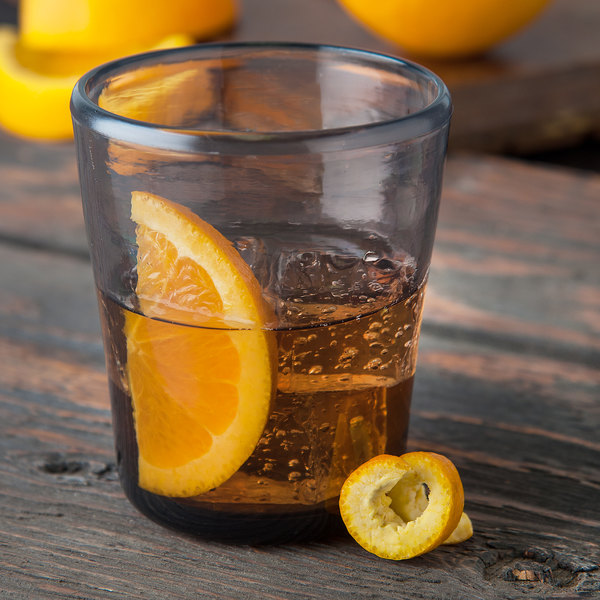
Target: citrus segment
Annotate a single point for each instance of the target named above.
(442, 29)
(200, 390)
(35, 87)
(385, 507)
(463, 531)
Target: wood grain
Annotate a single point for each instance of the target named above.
(507, 386)
(522, 433)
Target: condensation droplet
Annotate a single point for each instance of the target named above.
(294, 462)
(312, 337)
(315, 370)
(294, 476)
(324, 427)
(280, 433)
(333, 343)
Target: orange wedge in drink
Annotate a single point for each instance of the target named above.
(399, 507)
(198, 360)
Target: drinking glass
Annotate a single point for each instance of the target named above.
(316, 171)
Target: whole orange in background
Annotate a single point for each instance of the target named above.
(444, 28)
(97, 24)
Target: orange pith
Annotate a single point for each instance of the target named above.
(386, 510)
(200, 394)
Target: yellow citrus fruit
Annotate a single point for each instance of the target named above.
(36, 86)
(399, 507)
(444, 28)
(463, 531)
(200, 385)
(101, 24)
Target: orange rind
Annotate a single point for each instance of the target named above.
(36, 86)
(101, 25)
(199, 363)
(399, 507)
(442, 29)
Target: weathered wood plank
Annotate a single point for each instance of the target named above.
(522, 430)
(40, 198)
(516, 256)
(506, 245)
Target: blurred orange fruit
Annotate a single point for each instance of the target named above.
(201, 395)
(35, 86)
(444, 28)
(100, 24)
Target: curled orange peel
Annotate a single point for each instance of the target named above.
(399, 507)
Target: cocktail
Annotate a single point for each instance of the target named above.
(260, 219)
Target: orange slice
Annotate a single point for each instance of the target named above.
(387, 510)
(35, 86)
(199, 364)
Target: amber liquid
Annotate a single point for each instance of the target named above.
(342, 396)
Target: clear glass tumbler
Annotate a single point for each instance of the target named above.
(260, 220)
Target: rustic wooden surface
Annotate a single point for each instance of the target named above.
(507, 386)
(508, 381)
(534, 92)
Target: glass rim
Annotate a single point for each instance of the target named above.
(85, 112)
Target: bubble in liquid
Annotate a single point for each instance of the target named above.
(268, 466)
(324, 427)
(294, 462)
(373, 364)
(280, 433)
(311, 484)
(294, 476)
(370, 336)
(333, 343)
(349, 353)
(315, 370)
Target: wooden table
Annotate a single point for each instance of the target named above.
(508, 386)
